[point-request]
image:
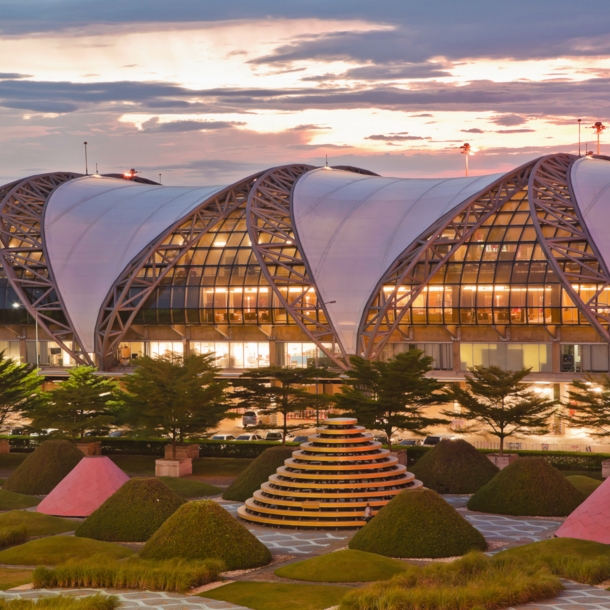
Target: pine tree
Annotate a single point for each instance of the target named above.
(20, 387)
(501, 403)
(174, 395)
(85, 401)
(392, 395)
(279, 390)
(591, 400)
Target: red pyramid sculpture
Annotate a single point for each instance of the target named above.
(85, 488)
(590, 520)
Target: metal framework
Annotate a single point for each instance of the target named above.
(275, 243)
(24, 258)
(146, 271)
(431, 250)
(567, 244)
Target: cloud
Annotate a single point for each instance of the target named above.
(402, 136)
(514, 130)
(311, 127)
(153, 125)
(13, 76)
(508, 120)
(472, 130)
(392, 71)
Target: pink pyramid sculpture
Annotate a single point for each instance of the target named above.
(85, 488)
(590, 520)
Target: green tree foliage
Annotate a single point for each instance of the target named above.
(174, 395)
(499, 402)
(591, 400)
(85, 401)
(392, 395)
(19, 387)
(279, 390)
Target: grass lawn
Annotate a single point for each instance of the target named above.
(10, 461)
(9, 500)
(273, 596)
(220, 467)
(37, 524)
(592, 474)
(190, 488)
(565, 547)
(585, 485)
(14, 577)
(135, 464)
(59, 549)
(343, 566)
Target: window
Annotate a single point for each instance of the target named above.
(234, 354)
(49, 353)
(303, 355)
(584, 358)
(508, 356)
(441, 352)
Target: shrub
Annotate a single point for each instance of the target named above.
(257, 473)
(454, 467)
(176, 575)
(9, 536)
(99, 601)
(10, 500)
(205, 530)
(343, 566)
(133, 513)
(59, 549)
(418, 523)
(37, 524)
(529, 487)
(475, 581)
(41, 471)
(585, 485)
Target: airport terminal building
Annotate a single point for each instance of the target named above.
(302, 264)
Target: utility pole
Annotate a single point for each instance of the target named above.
(86, 162)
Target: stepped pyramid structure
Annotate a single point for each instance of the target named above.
(92, 481)
(329, 480)
(590, 520)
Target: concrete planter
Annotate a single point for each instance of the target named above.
(90, 448)
(182, 452)
(606, 469)
(173, 468)
(504, 461)
(4, 446)
(401, 455)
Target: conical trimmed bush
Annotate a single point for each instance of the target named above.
(527, 487)
(454, 467)
(205, 530)
(257, 473)
(42, 470)
(133, 513)
(418, 523)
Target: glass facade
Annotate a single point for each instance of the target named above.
(302, 355)
(235, 354)
(441, 352)
(584, 358)
(508, 356)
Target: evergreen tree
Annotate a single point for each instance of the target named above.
(392, 395)
(85, 401)
(174, 395)
(279, 390)
(591, 400)
(501, 403)
(20, 387)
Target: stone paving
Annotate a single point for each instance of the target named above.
(298, 543)
(497, 527)
(132, 600)
(575, 597)
(457, 501)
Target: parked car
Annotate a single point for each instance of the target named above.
(408, 442)
(273, 436)
(116, 434)
(250, 418)
(223, 437)
(434, 440)
(381, 439)
(301, 438)
(16, 431)
(249, 437)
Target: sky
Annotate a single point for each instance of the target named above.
(208, 93)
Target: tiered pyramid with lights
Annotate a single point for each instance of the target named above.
(92, 481)
(329, 480)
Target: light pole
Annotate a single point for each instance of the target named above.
(86, 161)
(579, 122)
(467, 150)
(317, 379)
(17, 306)
(598, 128)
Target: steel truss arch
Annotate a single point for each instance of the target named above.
(24, 258)
(563, 235)
(133, 287)
(276, 245)
(433, 248)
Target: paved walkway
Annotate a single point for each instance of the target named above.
(575, 597)
(132, 600)
(497, 527)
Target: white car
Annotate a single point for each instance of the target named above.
(223, 437)
(249, 437)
